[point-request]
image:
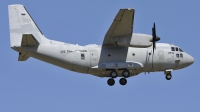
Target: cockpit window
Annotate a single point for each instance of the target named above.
(181, 55)
(172, 48)
(180, 50)
(176, 48)
(177, 55)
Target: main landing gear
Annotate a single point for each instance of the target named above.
(111, 81)
(114, 74)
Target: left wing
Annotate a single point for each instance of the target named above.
(122, 27)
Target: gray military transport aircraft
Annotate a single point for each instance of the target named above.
(122, 54)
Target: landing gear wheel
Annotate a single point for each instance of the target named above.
(168, 76)
(123, 81)
(113, 74)
(126, 73)
(111, 82)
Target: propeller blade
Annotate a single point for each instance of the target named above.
(154, 27)
(154, 40)
(154, 47)
(152, 64)
(154, 37)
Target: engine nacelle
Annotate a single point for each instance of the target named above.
(137, 40)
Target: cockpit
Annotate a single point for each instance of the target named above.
(176, 49)
(182, 59)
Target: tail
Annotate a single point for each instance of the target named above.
(23, 29)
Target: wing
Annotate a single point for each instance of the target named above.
(122, 27)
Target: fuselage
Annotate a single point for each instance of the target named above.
(122, 53)
(86, 59)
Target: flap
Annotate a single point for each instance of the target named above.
(122, 26)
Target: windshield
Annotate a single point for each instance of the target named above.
(181, 50)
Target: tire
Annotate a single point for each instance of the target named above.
(111, 82)
(113, 74)
(168, 76)
(123, 81)
(126, 73)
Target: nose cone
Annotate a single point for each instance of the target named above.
(190, 60)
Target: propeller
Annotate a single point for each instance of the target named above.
(154, 37)
(154, 40)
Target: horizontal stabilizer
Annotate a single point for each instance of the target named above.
(29, 40)
(23, 57)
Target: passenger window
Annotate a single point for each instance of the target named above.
(181, 55)
(180, 50)
(177, 55)
(172, 48)
(82, 56)
(176, 48)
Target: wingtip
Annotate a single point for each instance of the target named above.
(130, 8)
(127, 9)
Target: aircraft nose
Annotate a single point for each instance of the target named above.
(190, 60)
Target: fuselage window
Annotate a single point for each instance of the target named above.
(177, 55)
(176, 48)
(82, 56)
(180, 50)
(181, 55)
(172, 48)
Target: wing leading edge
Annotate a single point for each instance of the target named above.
(122, 27)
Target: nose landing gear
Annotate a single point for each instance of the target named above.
(168, 74)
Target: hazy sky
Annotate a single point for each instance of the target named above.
(36, 86)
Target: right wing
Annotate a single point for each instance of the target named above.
(122, 27)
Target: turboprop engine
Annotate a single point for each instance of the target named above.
(137, 40)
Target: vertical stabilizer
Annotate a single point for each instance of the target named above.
(21, 23)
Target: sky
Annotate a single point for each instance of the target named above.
(36, 86)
